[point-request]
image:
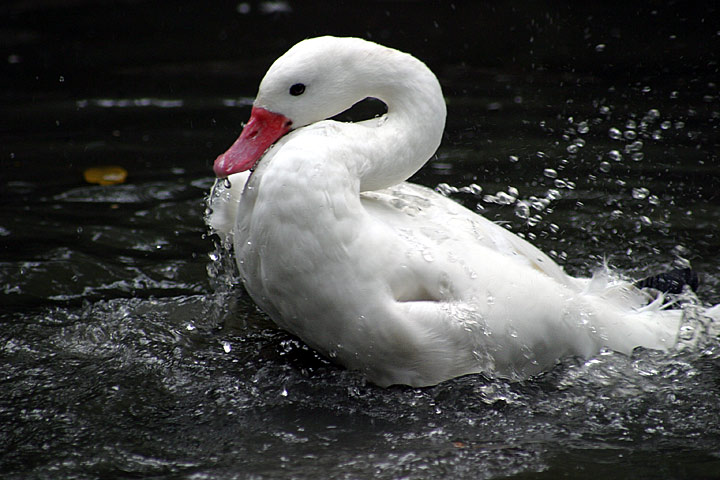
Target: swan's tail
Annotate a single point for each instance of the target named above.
(658, 327)
(660, 312)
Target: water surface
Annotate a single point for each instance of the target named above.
(129, 350)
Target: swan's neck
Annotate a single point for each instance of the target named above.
(330, 157)
(394, 147)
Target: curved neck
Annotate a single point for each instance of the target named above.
(376, 153)
(393, 147)
(389, 149)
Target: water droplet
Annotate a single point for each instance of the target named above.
(583, 127)
(640, 193)
(539, 204)
(500, 198)
(445, 189)
(513, 158)
(630, 134)
(473, 189)
(679, 125)
(522, 210)
(637, 156)
(553, 194)
(666, 124)
(572, 148)
(634, 146)
(427, 256)
(550, 173)
(615, 155)
(534, 220)
(604, 167)
(226, 346)
(600, 47)
(505, 198)
(614, 133)
(645, 220)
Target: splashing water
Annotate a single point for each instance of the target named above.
(127, 352)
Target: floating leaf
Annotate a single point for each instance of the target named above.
(107, 175)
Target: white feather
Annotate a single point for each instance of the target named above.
(391, 278)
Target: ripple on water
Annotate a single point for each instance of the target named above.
(216, 395)
(120, 359)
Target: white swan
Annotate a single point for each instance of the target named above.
(387, 277)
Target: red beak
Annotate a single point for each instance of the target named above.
(262, 130)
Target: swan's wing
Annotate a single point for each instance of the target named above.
(419, 205)
(223, 204)
(442, 216)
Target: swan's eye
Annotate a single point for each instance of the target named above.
(297, 89)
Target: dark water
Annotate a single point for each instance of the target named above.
(127, 351)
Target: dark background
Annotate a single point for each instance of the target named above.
(56, 51)
(127, 349)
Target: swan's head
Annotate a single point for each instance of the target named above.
(316, 79)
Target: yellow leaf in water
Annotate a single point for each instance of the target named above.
(108, 175)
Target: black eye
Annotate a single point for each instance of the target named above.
(297, 89)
